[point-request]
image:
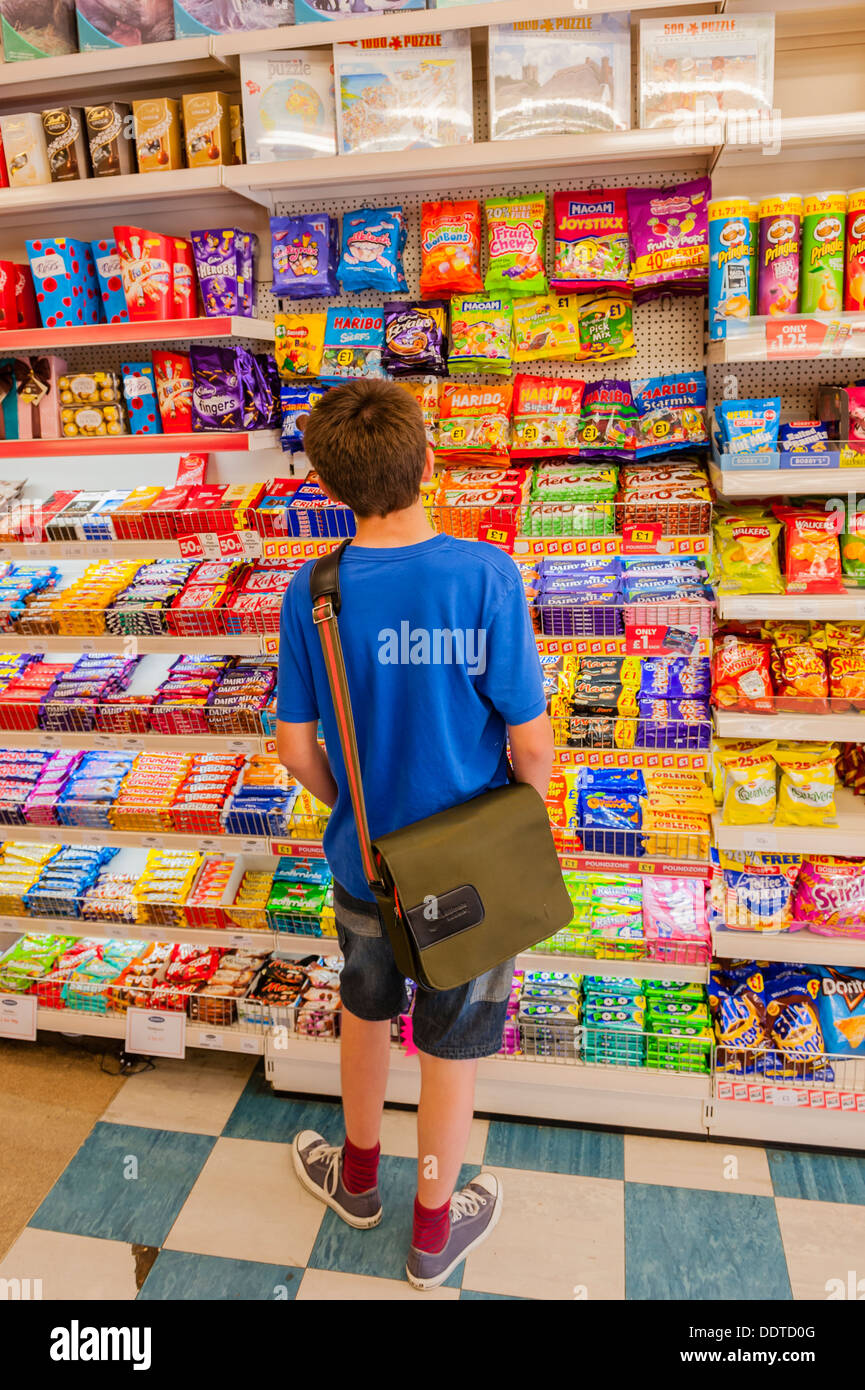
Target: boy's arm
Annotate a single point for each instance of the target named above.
(532, 752)
(303, 756)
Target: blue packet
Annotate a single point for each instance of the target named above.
(296, 400)
(372, 245)
(671, 413)
(675, 678)
(304, 252)
(804, 437)
(749, 427)
(631, 779)
(609, 808)
(353, 344)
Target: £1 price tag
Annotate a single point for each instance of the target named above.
(640, 538)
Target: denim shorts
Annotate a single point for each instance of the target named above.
(457, 1024)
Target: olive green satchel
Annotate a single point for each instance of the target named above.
(460, 891)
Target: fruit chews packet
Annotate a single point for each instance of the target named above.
(592, 246)
(515, 245)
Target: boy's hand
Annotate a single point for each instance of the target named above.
(532, 752)
(303, 756)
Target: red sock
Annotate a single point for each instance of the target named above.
(359, 1167)
(431, 1227)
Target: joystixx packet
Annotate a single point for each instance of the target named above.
(592, 247)
(515, 245)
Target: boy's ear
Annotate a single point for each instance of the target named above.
(430, 465)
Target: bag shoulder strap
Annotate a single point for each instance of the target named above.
(326, 603)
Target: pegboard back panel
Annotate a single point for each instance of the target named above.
(668, 333)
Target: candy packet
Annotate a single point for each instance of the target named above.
(606, 326)
(299, 343)
(217, 398)
(830, 896)
(672, 413)
(515, 245)
(304, 256)
(546, 416)
(669, 231)
(353, 344)
(741, 675)
(218, 267)
(481, 332)
(426, 393)
(547, 327)
(372, 247)
(473, 419)
(803, 437)
(415, 336)
(608, 421)
(297, 400)
(591, 248)
(450, 244)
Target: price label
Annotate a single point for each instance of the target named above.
(241, 745)
(34, 552)
(270, 645)
(37, 648)
(251, 543)
(209, 842)
(230, 544)
(245, 941)
(5, 552)
(18, 1017)
(642, 538)
(253, 846)
(269, 745)
(211, 1040)
(250, 1045)
(153, 841)
(131, 741)
(90, 837)
(50, 740)
(764, 839)
(156, 1033)
(88, 645)
(190, 548)
(779, 1095)
(103, 740)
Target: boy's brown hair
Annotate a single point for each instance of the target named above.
(367, 443)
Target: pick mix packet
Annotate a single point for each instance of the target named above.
(515, 245)
(415, 338)
(304, 253)
(606, 325)
(591, 246)
(372, 245)
(450, 245)
(669, 231)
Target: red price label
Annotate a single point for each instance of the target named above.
(641, 538)
(230, 544)
(496, 533)
(786, 338)
(190, 547)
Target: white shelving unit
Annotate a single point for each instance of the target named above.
(849, 728)
(787, 482)
(849, 606)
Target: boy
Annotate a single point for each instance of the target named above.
(442, 669)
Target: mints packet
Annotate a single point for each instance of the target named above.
(372, 246)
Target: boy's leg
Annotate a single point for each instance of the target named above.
(444, 1118)
(364, 1059)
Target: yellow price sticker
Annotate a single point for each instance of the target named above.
(590, 433)
(458, 433)
(345, 357)
(530, 432)
(660, 428)
(642, 537)
(497, 536)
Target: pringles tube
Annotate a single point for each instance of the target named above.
(823, 223)
(779, 222)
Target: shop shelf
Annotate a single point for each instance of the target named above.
(796, 337)
(787, 482)
(849, 605)
(801, 947)
(160, 331)
(210, 441)
(849, 727)
(845, 838)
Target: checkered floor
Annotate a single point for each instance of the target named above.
(184, 1190)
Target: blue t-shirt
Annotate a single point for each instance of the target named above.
(440, 657)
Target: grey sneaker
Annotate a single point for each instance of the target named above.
(475, 1210)
(319, 1167)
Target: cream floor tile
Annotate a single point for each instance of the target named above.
(825, 1247)
(323, 1285)
(248, 1205)
(557, 1235)
(196, 1095)
(74, 1267)
(399, 1136)
(689, 1163)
